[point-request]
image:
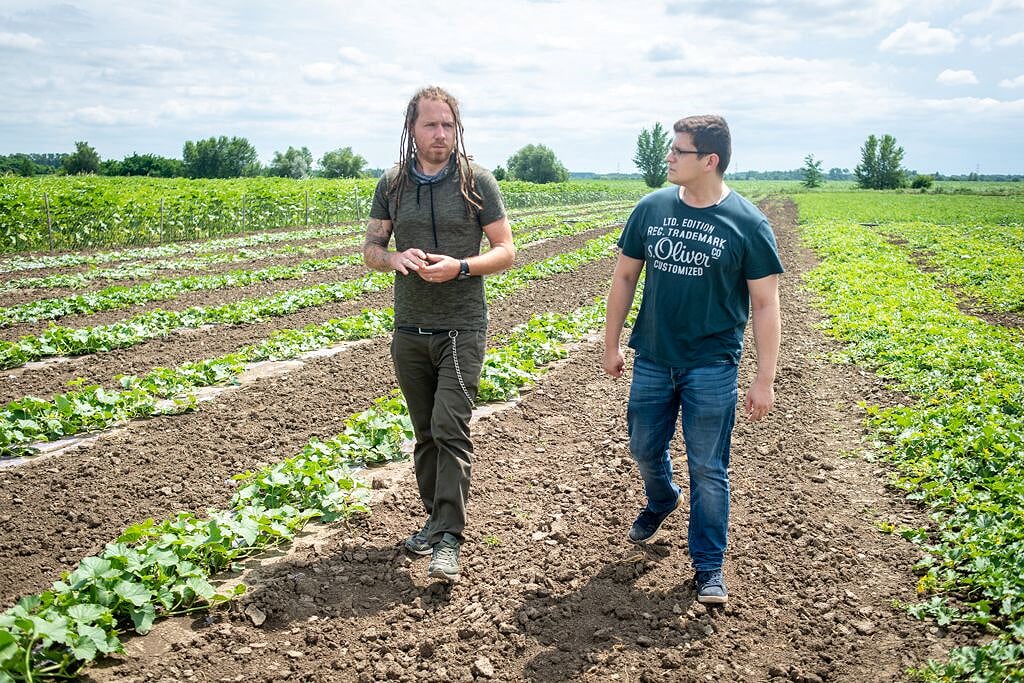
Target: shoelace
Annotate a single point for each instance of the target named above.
(447, 554)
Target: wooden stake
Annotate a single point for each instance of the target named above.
(49, 220)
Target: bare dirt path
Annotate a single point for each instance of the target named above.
(551, 590)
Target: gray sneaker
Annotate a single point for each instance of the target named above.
(417, 543)
(444, 562)
(647, 525)
(711, 587)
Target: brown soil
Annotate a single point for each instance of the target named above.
(551, 590)
(192, 344)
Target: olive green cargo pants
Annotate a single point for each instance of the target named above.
(439, 387)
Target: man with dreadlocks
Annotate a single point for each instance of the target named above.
(439, 205)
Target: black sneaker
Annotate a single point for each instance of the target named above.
(711, 587)
(444, 561)
(648, 523)
(417, 543)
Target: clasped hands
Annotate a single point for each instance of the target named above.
(430, 267)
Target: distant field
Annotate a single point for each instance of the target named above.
(59, 213)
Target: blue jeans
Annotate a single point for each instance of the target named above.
(707, 397)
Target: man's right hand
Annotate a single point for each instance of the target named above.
(408, 260)
(613, 362)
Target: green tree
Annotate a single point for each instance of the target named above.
(537, 164)
(922, 182)
(881, 165)
(25, 166)
(152, 165)
(220, 158)
(295, 163)
(651, 148)
(500, 173)
(813, 177)
(342, 163)
(84, 160)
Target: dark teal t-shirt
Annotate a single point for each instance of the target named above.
(696, 302)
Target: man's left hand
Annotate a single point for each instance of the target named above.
(441, 269)
(760, 399)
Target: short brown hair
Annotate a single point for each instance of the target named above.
(710, 134)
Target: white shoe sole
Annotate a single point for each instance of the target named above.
(439, 574)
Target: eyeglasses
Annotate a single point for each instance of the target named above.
(675, 151)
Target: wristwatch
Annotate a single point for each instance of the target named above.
(463, 269)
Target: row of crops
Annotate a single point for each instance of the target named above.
(894, 270)
(158, 569)
(78, 212)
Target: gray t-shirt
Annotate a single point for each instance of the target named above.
(432, 217)
(696, 301)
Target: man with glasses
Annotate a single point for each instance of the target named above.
(711, 258)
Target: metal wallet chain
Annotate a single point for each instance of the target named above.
(452, 334)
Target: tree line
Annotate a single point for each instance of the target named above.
(214, 157)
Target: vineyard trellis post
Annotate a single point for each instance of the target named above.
(49, 220)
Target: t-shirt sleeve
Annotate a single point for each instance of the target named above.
(631, 242)
(379, 209)
(494, 205)
(762, 257)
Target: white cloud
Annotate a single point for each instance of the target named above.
(1015, 39)
(108, 116)
(19, 41)
(919, 38)
(664, 51)
(995, 10)
(957, 77)
(976, 105)
(325, 73)
(1017, 82)
(353, 55)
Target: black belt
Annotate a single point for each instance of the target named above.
(421, 330)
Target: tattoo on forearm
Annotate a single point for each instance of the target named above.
(375, 247)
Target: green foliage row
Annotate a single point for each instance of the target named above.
(897, 207)
(143, 270)
(117, 296)
(519, 194)
(154, 570)
(959, 450)
(66, 341)
(32, 420)
(978, 260)
(90, 211)
(203, 249)
(571, 227)
(57, 340)
(146, 269)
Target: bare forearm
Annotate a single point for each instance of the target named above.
(620, 298)
(767, 325)
(375, 246)
(496, 259)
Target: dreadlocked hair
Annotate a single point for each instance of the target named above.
(407, 151)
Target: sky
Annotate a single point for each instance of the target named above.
(792, 77)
